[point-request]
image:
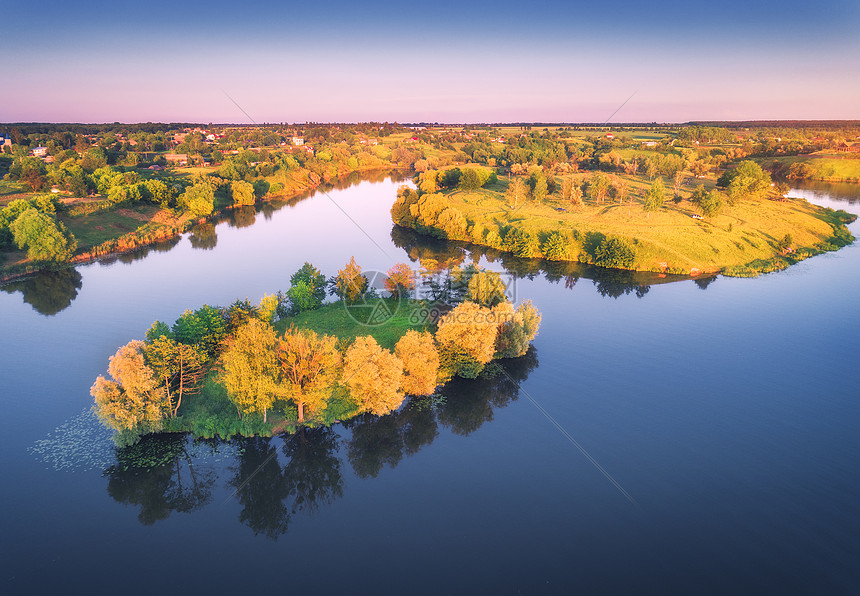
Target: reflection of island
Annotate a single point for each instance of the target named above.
(48, 292)
(272, 484)
(610, 283)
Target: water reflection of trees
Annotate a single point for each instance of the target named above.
(159, 476)
(48, 292)
(203, 236)
(275, 479)
(611, 283)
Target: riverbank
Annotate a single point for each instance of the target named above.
(104, 229)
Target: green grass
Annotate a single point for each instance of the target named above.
(348, 322)
(90, 230)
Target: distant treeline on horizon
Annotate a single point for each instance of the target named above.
(40, 127)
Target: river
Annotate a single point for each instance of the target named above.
(663, 435)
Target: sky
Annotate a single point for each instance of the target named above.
(442, 61)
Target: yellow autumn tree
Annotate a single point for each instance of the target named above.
(309, 367)
(350, 284)
(373, 375)
(467, 340)
(133, 399)
(250, 368)
(420, 362)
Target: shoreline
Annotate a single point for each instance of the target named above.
(18, 272)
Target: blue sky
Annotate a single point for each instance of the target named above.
(95, 61)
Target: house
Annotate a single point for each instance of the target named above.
(610, 136)
(40, 151)
(211, 137)
(298, 141)
(649, 143)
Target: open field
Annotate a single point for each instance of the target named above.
(345, 323)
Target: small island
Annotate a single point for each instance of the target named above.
(293, 361)
(738, 225)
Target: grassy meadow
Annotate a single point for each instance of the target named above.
(669, 239)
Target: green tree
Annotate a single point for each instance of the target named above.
(242, 192)
(198, 200)
(470, 179)
(46, 239)
(615, 252)
(315, 283)
(250, 368)
(539, 187)
(654, 197)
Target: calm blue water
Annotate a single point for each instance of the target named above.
(710, 437)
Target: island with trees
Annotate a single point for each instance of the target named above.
(294, 360)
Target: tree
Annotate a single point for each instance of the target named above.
(467, 339)
(374, 376)
(133, 401)
(517, 328)
(427, 181)
(46, 239)
(204, 328)
(654, 197)
(556, 247)
(614, 252)
(312, 290)
(539, 187)
(350, 284)
(486, 288)
(516, 191)
(622, 190)
(198, 200)
(420, 359)
(651, 167)
(470, 179)
(748, 180)
(567, 184)
(242, 192)
(309, 367)
(710, 202)
(599, 186)
(400, 280)
(176, 364)
(250, 368)
(677, 181)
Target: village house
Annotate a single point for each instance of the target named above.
(177, 158)
(298, 141)
(39, 151)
